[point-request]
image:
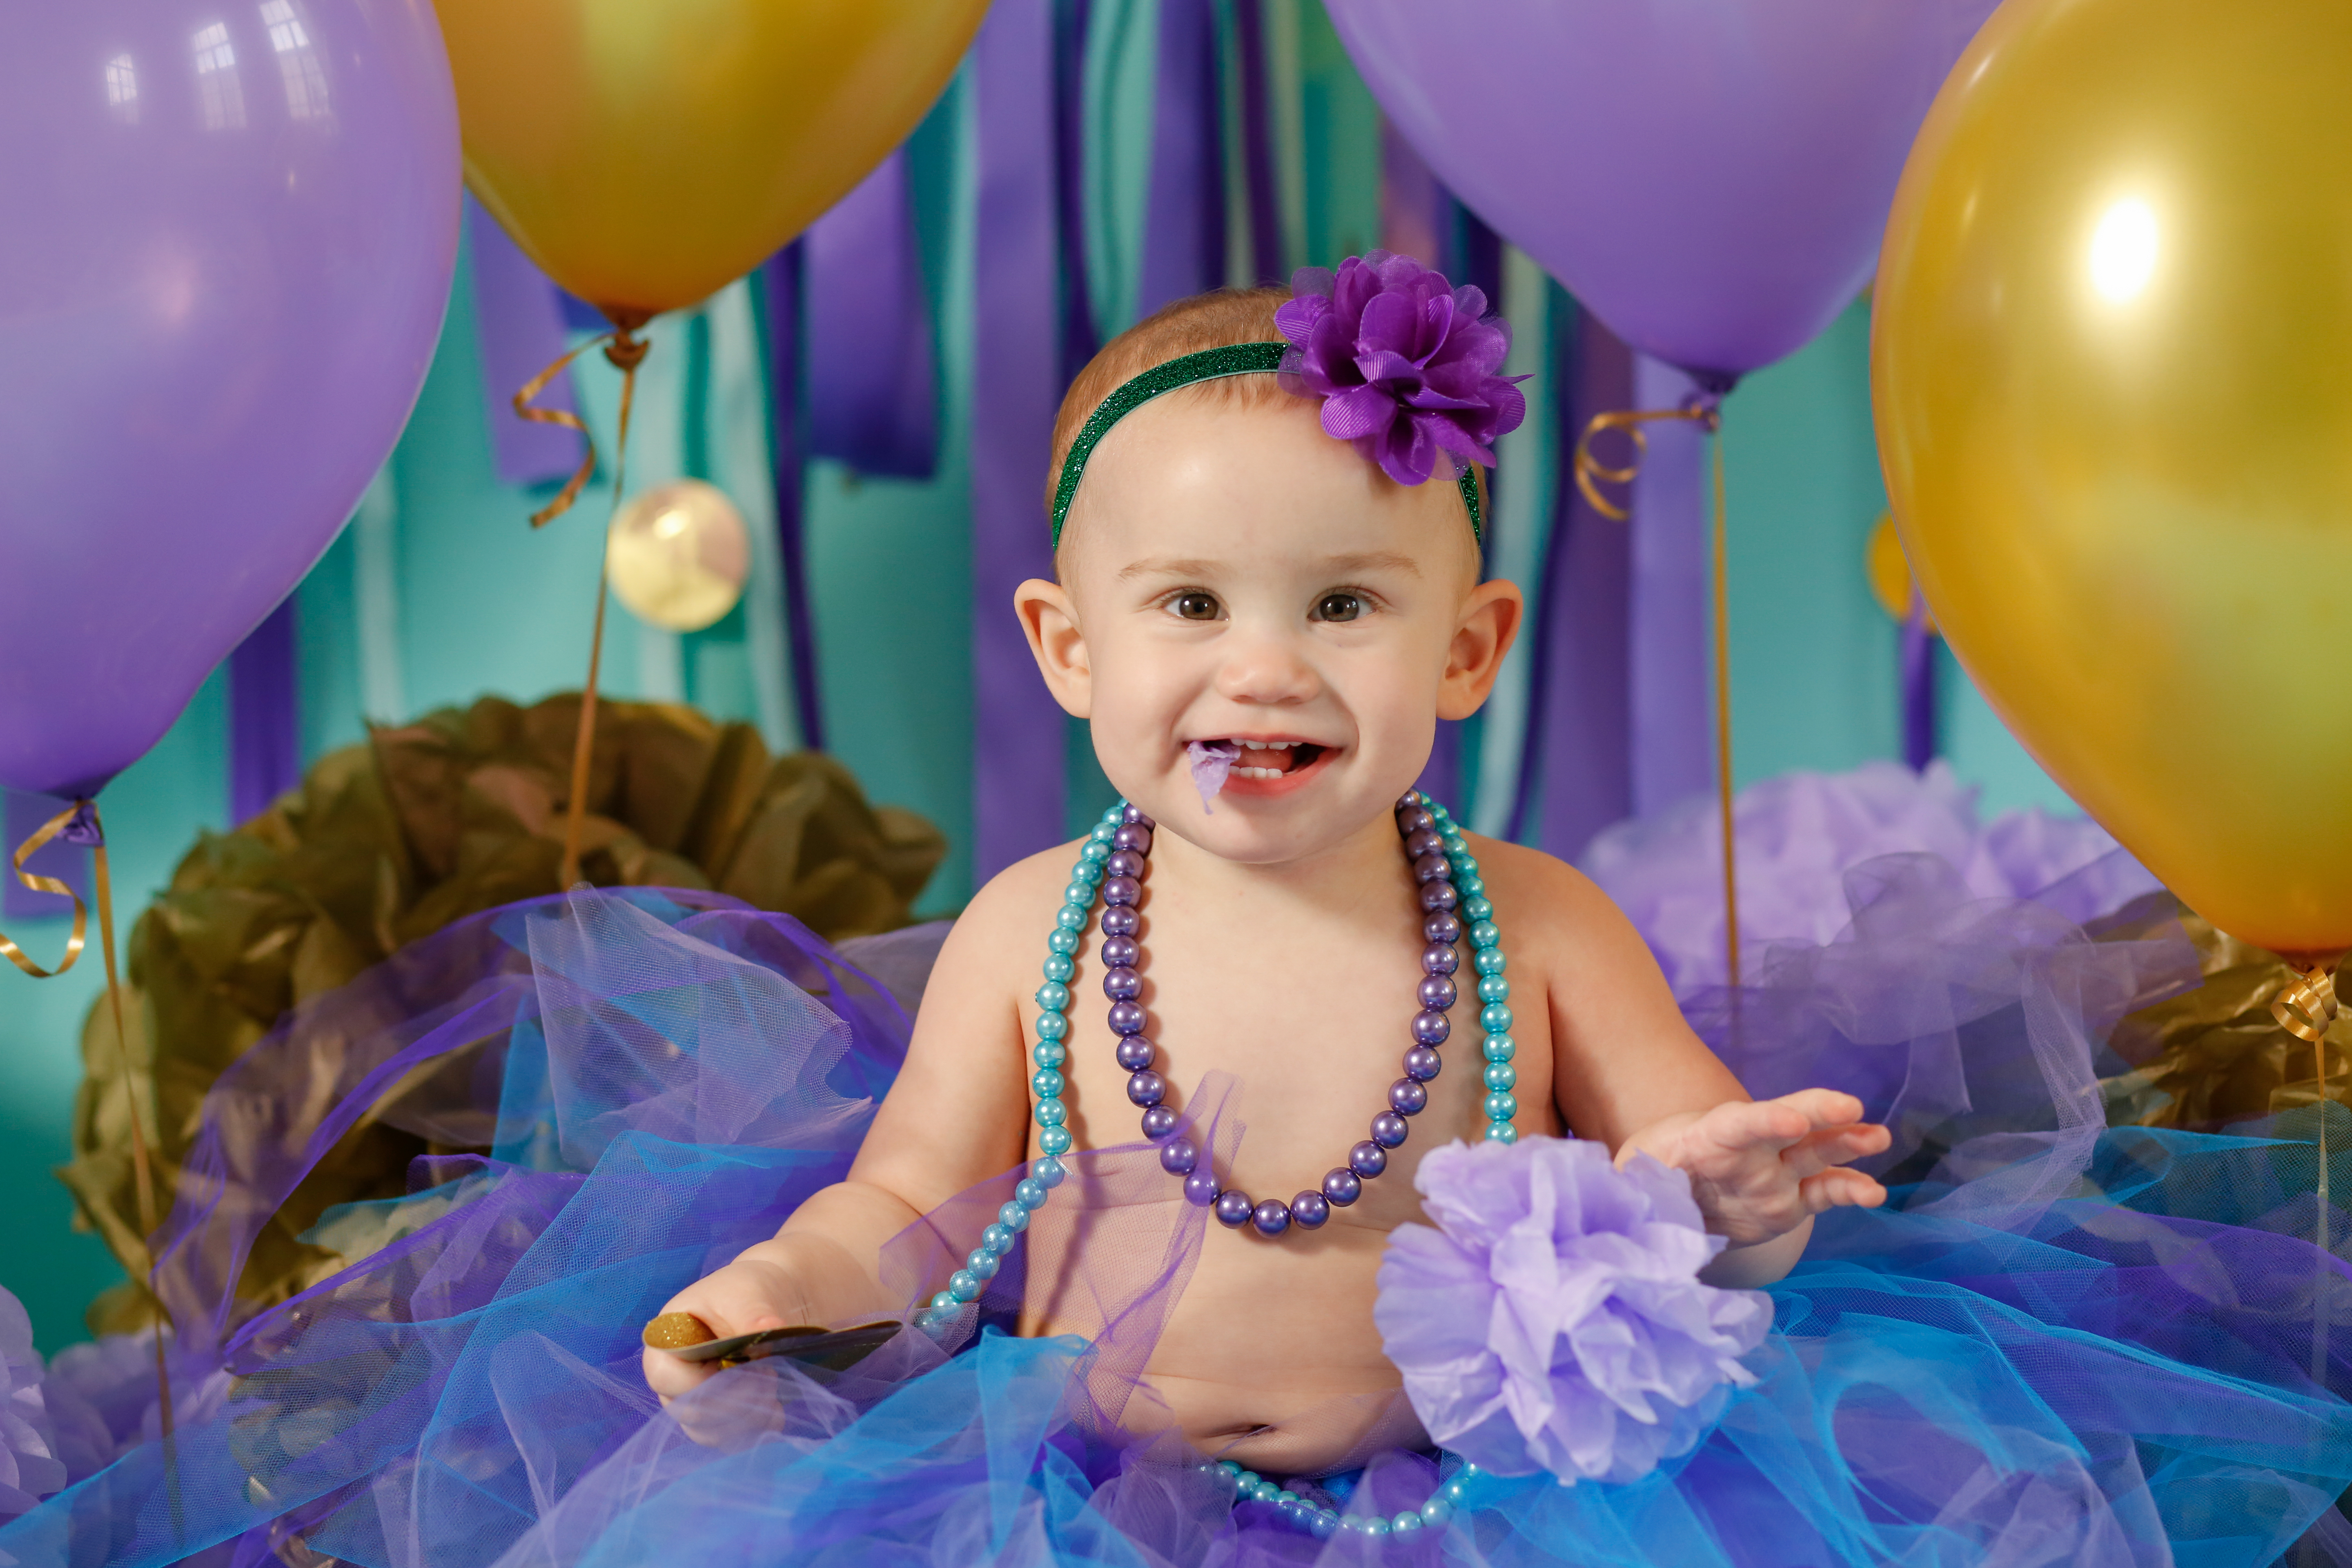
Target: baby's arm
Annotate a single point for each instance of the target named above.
(958, 1114)
(1628, 1070)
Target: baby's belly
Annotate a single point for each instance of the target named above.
(1268, 1356)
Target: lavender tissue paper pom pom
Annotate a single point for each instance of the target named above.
(1404, 363)
(1802, 835)
(1555, 1320)
(29, 1467)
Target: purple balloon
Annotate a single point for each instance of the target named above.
(1711, 177)
(230, 231)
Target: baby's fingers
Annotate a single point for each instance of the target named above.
(669, 1377)
(1740, 1125)
(1835, 1146)
(1839, 1187)
(1823, 1109)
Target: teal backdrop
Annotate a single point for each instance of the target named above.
(440, 591)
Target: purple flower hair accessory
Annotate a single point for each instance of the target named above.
(1555, 1320)
(1405, 364)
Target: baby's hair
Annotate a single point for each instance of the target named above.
(1213, 320)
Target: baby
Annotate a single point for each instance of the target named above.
(1233, 582)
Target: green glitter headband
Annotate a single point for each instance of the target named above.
(1209, 364)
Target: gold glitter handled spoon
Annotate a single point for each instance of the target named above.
(690, 1339)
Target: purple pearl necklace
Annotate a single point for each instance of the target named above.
(1434, 872)
(1449, 889)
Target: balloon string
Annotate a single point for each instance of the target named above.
(79, 823)
(2304, 1010)
(1723, 730)
(142, 1167)
(627, 353)
(1704, 411)
(2322, 1297)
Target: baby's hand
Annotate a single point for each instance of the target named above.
(748, 1295)
(1760, 1170)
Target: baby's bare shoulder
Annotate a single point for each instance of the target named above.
(1623, 1057)
(1543, 905)
(1563, 932)
(1022, 887)
(999, 937)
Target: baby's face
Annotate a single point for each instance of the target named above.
(1235, 574)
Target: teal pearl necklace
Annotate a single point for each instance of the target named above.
(1452, 898)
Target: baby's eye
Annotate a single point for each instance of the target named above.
(1339, 607)
(1195, 606)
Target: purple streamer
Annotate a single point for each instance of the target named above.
(1257, 146)
(873, 395)
(1416, 219)
(1184, 223)
(1416, 211)
(1672, 739)
(60, 858)
(265, 715)
(1480, 261)
(1018, 732)
(578, 315)
(1578, 756)
(1081, 335)
(1918, 687)
(519, 323)
(783, 277)
(1421, 218)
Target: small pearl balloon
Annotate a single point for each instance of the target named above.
(678, 555)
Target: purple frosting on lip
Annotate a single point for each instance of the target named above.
(1404, 363)
(1212, 761)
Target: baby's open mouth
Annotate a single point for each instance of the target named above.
(1273, 759)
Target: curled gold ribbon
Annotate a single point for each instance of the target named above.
(1591, 473)
(2308, 1007)
(40, 884)
(625, 350)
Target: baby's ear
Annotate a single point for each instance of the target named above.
(1050, 621)
(1489, 624)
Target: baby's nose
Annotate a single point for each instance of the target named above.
(1266, 669)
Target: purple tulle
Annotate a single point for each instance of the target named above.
(1802, 833)
(1404, 363)
(29, 1467)
(2063, 1344)
(1212, 761)
(102, 1398)
(1555, 1320)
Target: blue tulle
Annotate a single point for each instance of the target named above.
(2057, 1345)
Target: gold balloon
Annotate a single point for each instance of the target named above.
(2109, 351)
(678, 556)
(647, 152)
